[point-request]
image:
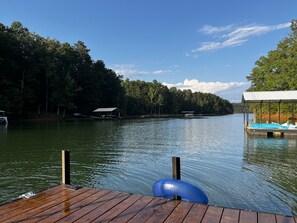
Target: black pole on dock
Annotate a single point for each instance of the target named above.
(176, 172)
(65, 167)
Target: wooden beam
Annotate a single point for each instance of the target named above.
(65, 167)
(176, 168)
(176, 174)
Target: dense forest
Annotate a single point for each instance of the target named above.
(42, 75)
(155, 98)
(238, 107)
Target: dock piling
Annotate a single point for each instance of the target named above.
(176, 173)
(65, 167)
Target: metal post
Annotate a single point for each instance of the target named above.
(279, 122)
(261, 112)
(65, 167)
(244, 122)
(293, 119)
(176, 172)
(247, 115)
(244, 114)
(269, 112)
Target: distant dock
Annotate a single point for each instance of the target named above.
(67, 204)
(282, 133)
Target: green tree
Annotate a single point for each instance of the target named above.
(277, 70)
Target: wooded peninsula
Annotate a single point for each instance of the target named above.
(42, 75)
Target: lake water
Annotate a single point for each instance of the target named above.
(233, 169)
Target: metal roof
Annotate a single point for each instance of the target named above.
(269, 96)
(187, 112)
(105, 109)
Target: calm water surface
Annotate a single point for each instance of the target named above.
(234, 170)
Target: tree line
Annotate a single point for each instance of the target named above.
(154, 98)
(277, 71)
(40, 74)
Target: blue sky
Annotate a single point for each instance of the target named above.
(209, 46)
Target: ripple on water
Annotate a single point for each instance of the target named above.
(234, 170)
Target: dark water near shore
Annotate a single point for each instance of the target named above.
(234, 170)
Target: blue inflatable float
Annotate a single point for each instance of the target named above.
(168, 188)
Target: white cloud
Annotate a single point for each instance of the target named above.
(207, 29)
(231, 35)
(130, 70)
(229, 90)
(161, 71)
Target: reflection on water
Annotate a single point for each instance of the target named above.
(234, 170)
(273, 160)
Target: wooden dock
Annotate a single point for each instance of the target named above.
(64, 204)
(282, 133)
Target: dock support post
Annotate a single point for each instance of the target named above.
(176, 172)
(269, 112)
(279, 122)
(244, 115)
(261, 112)
(65, 167)
(293, 119)
(247, 115)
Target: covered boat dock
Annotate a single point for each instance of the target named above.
(269, 97)
(108, 113)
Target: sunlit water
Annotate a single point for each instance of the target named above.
(234, 170)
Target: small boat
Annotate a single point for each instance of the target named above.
(3, 118)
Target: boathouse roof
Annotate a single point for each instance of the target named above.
(106, 109)
(269, 96)
(187, 112)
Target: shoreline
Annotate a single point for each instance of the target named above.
(51, 117)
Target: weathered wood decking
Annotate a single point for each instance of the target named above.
(61, 204)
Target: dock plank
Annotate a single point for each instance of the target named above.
(91, 216)
(61, 204)
(148, 211)
(130, 212)
(164, 211)
(230, 216)
(27, 206)
(84, 210)
(284, 219)
(248, 217)
(213, 215)
(14, 205)
(118, 209)
(31, 210)
(179, 213)
(266, 218)
(196, 213)
(69, 206)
